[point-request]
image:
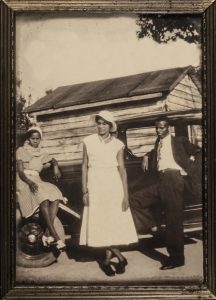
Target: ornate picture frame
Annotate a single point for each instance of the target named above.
(9, 289)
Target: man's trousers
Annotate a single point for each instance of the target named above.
(164, 193)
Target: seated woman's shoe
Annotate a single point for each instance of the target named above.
(50, 240)
(47, 240)
(60, 245)
(44, 240)
(107, 269)
(120, 267)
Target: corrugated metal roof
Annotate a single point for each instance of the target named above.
(102, 90)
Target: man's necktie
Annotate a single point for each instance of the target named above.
(160, 145)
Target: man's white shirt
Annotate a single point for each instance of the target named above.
(166, 160)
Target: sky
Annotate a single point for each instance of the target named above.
(58, 50)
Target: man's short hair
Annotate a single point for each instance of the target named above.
(163, 118)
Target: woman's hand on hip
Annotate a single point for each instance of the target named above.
(125, 204)
(86, 199)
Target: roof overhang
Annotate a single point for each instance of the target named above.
(189, 116)
(153, 96)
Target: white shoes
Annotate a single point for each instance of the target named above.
(47, 240)
(50, 241)
(44, 240)
(60, 245)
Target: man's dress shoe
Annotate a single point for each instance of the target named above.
(172, 263)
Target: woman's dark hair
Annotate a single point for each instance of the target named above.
(97, 118)
(30, 132)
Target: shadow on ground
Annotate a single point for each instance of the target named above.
(148, 246)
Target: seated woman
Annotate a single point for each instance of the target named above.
(33, 193)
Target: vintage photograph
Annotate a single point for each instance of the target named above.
(108, 149)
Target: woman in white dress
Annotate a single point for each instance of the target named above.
(107, 220)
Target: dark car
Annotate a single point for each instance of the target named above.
(182, 123)
(138, 135)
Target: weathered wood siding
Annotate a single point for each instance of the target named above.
(184, 96)
(142, 140)
(63, 136)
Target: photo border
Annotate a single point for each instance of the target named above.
(9, 289)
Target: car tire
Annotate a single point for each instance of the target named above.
(41, 256)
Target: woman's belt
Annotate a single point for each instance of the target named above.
(102, 167)
(31, 172)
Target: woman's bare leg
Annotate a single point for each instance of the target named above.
(53, 210)
(117, 253)
(120, 268)
(108, 257)
(45, 210)
(105, 265)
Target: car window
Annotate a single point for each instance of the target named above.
(195, 134)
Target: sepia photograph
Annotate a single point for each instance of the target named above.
(109, 146)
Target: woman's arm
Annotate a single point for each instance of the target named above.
(32, 185)
(123, 175)
(56, 170)
(85, 176)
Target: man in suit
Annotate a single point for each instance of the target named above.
(171, 160)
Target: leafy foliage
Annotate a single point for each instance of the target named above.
(23, 122)
(22, 119)
(165, 28)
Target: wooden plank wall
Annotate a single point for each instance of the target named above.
(142, 140)
(184, 96)
(63, 136)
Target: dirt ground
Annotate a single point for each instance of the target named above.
(79, 265)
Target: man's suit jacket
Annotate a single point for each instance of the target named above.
(182, 151)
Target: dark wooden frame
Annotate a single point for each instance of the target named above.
(8, 11)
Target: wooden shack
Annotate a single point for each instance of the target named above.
(66, 115)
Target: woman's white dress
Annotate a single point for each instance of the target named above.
(104, 223)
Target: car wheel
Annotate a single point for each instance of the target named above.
(30, 252)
